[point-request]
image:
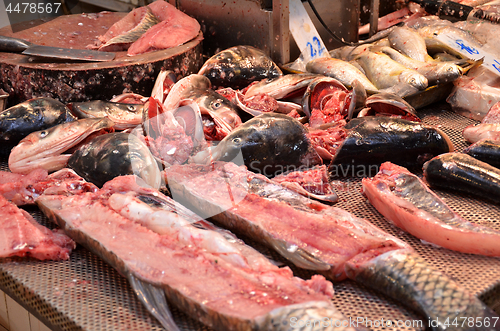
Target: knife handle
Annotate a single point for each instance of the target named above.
(9, 44)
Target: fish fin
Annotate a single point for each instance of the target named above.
(298, 256)
(153, 298)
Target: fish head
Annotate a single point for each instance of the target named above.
(448, 72)
(116, 154)
(218, 111)
(238, 66)
(414, 79)
(45, 148)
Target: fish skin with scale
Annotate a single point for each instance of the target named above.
(135, 33)
(408, 278)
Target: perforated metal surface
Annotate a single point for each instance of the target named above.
(84, 293)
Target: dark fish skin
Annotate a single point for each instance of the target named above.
(270, 144)
(462, 172)
(238, 66)
(374, 140)
(32, 115)
(406, 277)
(485, 150)
(115, 154)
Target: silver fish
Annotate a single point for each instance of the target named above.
(384, 72)
(409, 42)
(344, 71)
(435, 72)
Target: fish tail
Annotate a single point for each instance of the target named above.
(312, 316)
(406, 277)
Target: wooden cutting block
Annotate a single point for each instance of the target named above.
(25, 77)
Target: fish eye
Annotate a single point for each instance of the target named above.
(216, 104)
(43, 134)
(131, 108)
(236, 140)
(412, 80)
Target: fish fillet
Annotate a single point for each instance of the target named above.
(408, 203)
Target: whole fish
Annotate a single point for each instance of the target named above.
(44, 149)
(409, 42)
(384, 72)
(108, 156)
(344, 71)
(435, 72)
(239, 66)
(124, 115)
(268, 144)
(485, 150)
(323, 238)
(431, 32)
(240, 288)
(407, 202)
(461, 172)
(389, 104)
(32, 115)
(124, 32)
(373, 140)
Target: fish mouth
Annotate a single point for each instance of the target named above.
(44, 149)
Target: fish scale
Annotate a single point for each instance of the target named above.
(407, 277)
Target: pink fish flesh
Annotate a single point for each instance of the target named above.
(175, 29)
(24, 189)
(312, 235)
(493, 115)
(120, 223)
(21, 235)
(408, 203)
(311, 183)
(474, 133)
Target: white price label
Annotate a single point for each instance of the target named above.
(304, 32)
(472, 51)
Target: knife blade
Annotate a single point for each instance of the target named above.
(15, 45)
(457, 11)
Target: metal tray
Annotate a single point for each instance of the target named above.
(84, 293)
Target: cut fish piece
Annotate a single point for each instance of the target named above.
(408, 203)
(175, 29)
(21, 235)
(24, 189)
